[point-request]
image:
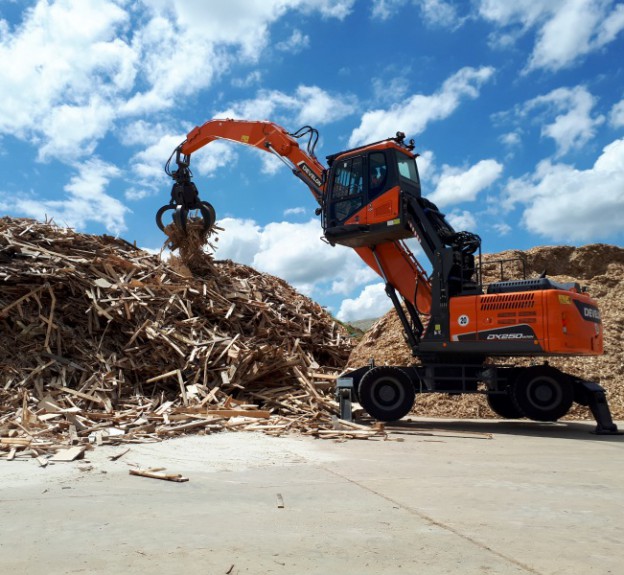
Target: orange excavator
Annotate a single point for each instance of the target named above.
(370, 200)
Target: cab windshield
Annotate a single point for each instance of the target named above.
(407, 168)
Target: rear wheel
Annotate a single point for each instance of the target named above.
(502, 404)
(386, 393)
(543, 393)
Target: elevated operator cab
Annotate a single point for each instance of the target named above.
(367, 192)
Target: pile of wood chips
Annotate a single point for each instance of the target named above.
(101, 342)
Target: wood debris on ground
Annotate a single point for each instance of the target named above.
(104, 343)
(158, 474)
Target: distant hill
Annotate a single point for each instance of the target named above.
(363, 324)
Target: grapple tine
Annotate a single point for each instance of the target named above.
(159, 215)
(208, 215)
(179, 217)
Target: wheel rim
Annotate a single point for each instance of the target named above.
(544, 393)
(387, 393)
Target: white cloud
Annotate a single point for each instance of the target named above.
(294, 211)
(87, 200)
(426, 162)
(462, 220)
(440, 13)
(339, 9)
(60, 68)
(511, 139)
(392, 86)
(74, 69)
(433, 12)
(207, 37)
(567, 204)
(308, 105)
(163, 45)
(72, 131)
(295, 43)
(385, 9)
(294, 252)
(502, 228)
(319, 107)
(371, 303)
(413, 115)
(148, 164)
(142, 132)
(213, 157)
(457, 185)
(357, 275)
(616, 116)
(566, 30)
(239, 241)
(249, 80)
(573, 125)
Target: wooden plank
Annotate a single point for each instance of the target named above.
(119, 455)
(255, 413)
(81, 395)
(70, 454)
(155, 475)
(22, 441)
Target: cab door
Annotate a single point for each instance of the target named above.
(346, 191)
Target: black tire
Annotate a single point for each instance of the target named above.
(386, 393)
(543, 393)
(502, 404)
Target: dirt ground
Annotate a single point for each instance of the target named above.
(442, 497)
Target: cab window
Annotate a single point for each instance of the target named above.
(347, 195)
(407, 168)
(377, 174)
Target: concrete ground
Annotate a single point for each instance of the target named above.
(469, 497)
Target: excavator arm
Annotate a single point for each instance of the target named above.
(262, 135)
(391, 259)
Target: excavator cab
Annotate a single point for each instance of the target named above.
(367, 193)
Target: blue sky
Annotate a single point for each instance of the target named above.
(517, 110)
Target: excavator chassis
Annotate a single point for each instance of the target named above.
(538, 392)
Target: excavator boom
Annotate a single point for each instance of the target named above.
(265, 136)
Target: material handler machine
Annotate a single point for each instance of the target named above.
(370, 201)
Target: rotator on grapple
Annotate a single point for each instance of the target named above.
(184, 196)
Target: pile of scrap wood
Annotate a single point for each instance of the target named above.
(103, 342)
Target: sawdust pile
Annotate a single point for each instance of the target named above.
(599, 267)
(97, 334)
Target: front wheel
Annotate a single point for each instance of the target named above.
(543, 393)
(386, 393)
